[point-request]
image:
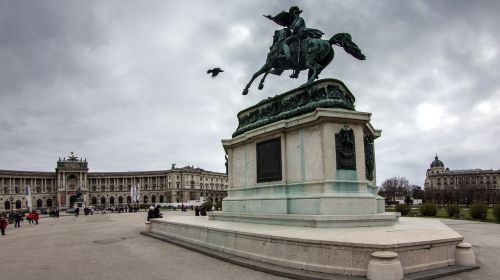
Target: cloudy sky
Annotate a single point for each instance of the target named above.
(123, 83)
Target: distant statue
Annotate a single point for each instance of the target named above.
(298, 48)
(173, 165)
(72, 157)
(79, 195)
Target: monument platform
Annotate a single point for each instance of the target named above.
(316, 221)
(421, 244)
(303, 196)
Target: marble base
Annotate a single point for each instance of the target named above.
(421, 244)
(315, 221)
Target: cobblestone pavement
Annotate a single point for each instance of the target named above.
(485, 239)
(105, 247)
(110, 247)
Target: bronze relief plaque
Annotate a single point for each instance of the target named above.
(269, 160)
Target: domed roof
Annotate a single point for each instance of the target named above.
(437, 163)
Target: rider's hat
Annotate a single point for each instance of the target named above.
(295, 10)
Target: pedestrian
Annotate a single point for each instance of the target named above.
(3, 223)
(29, 217)
(77, 211)
(197, 211)
(36, 217)
(203, 212)
(17, 219)
(157, 213)
(151, 213)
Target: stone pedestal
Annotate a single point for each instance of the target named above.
(320, 162)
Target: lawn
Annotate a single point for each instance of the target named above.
(414, 212)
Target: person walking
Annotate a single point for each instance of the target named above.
(197, 211)
(77, 211)
(29, 217)
(36, 217)
(3, 224)
(17, 219)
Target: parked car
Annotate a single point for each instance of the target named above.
(70, 210)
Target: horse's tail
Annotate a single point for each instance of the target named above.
(344, 40)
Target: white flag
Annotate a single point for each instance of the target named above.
(27, 192)
(132, 194)
(137, 193)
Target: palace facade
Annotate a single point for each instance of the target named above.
(443, 185)
(59, 188)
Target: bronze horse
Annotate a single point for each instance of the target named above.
(309, 53)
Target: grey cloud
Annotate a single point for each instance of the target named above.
(124, 84)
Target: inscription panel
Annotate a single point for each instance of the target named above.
(269, 160)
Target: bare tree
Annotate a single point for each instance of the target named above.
(395, 188)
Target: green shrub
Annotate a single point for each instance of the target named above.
(207, 205)
(478, 211)
(218, 205)
(428, 209)
(452, 210)
(403, 208)
(496, 211)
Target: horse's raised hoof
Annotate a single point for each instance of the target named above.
(261, 86)
(245, 91)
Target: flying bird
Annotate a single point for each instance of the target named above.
(215, 72)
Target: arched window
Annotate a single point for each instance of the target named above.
(103, 200)
(18, 204)
(39, 203)
(94, 200)
(120, 200)
(153, 199)
(145, 199)
(49, 202)
(162, 199)
(112, 200)
(129, 199)
(7, 205)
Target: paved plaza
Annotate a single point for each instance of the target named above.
(111, 247)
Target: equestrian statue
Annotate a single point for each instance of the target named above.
(298, 48)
